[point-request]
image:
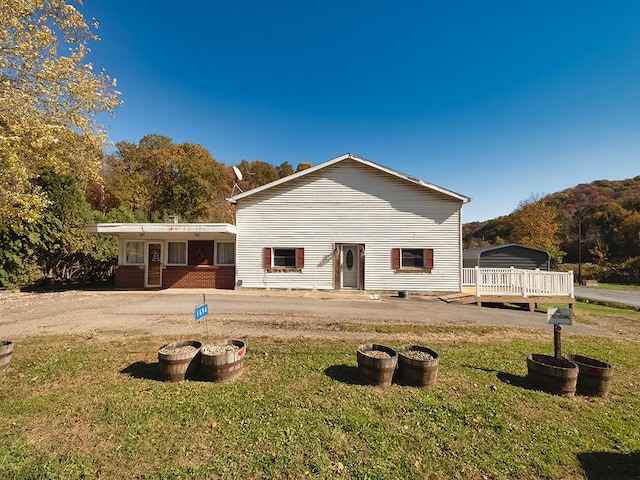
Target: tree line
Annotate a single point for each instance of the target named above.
(596, 224)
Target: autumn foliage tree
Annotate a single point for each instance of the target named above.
(535, 224)
(50, 97)
(165, 180)
(50, 141)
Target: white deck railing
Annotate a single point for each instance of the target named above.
(514, 281)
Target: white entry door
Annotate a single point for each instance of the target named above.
(350, 266)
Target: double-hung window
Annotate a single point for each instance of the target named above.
(176, 253)
(412, 259)
(134, 253)
(225, 253)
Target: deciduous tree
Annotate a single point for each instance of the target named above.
(534, 224)
(163, 179)
(49, 99)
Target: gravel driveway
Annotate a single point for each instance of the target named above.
(238, 314)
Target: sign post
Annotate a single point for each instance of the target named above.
(202, 311)
(558, 317)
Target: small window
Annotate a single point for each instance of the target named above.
(412, 259)
(177, 253)
(283, 259)
(134, 253)
(225, 253)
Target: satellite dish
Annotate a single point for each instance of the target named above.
(238, 173)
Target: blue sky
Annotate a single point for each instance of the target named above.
(496, 100)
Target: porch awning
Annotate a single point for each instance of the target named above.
(162, 228)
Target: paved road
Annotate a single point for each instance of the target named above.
(624, 297)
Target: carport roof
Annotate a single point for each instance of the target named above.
(115, 228)
(475, 253)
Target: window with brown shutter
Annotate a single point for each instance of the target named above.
(276, 259)
(412, 259)
(395, 258)
(266, 257)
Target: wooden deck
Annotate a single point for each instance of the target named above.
(519, 287)
(531, 301)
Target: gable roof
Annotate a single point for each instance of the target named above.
(350, 156)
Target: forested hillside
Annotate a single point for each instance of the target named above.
(597, 223)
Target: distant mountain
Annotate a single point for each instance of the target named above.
(625, 193)
(605, 212)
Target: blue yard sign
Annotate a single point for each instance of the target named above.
(201, 311)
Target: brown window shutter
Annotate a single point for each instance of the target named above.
(428, 259)
(395, 258)
(266, 257)
(300, 257)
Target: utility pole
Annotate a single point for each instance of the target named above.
(580, 251)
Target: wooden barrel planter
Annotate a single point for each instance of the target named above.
(222, 361)
(553, 374)
(179, 361)
(418, 365)
(6, 354)
(376, 364)
(594, 376)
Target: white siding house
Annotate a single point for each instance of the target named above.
(349, 223)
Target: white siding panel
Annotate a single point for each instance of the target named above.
(349, 203)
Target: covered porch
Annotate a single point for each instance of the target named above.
(173, 255)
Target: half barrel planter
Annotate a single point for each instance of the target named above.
(6, 354)
(417, 365)
(557, 375)
(179, 361)
(594, 376)
(376, 364)
(225, 366)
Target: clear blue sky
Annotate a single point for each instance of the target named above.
(496, 100)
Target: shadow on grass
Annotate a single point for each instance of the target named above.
(344, 374)
(508, 378)
(144, 370)
(609, 465)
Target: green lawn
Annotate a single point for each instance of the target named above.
(618, 286)
(76, 407)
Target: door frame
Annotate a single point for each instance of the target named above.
(147, 263)
(338, 262)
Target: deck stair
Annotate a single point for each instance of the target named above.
(462, 297)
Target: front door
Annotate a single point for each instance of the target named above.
(350, 266)
(154, 270)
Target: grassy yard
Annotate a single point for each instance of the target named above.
(618, 286)
(78, 407)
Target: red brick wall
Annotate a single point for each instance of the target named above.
(192, 276)
(129, 276)
(198, 277)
